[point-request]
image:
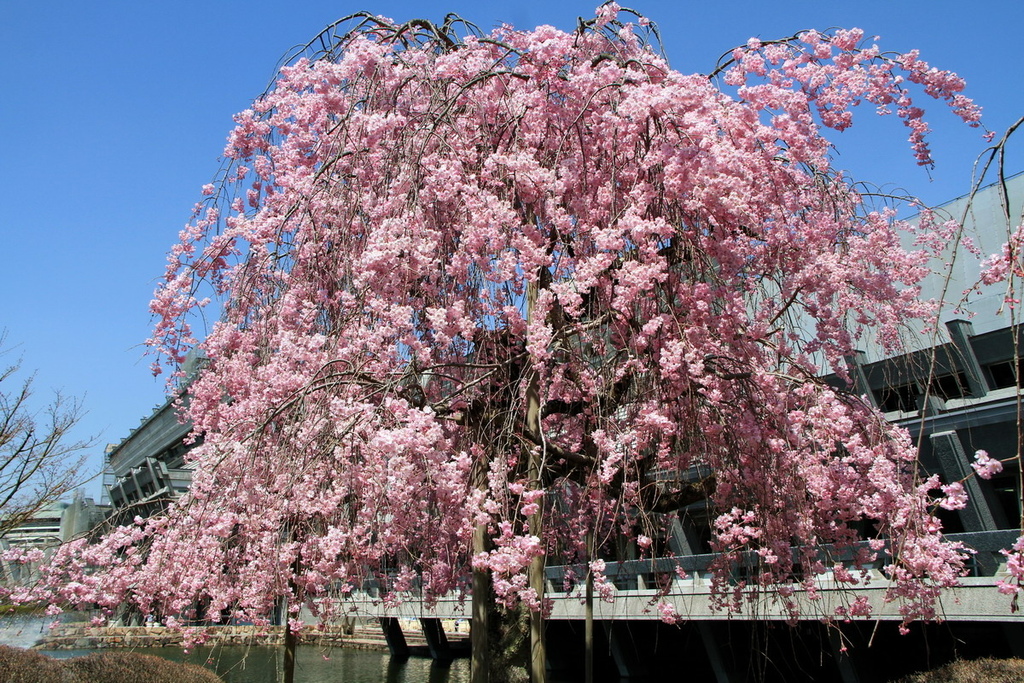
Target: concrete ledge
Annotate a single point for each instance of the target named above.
(977, 599)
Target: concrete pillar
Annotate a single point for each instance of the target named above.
(960, 332)
(847, 671)
(982, 512)
(723, 672)
(437, 641)
(855, 366)
(394, 637)
(480, 626)
(678, 543)
(1015, 638)
(631, 652)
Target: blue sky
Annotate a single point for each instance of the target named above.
(114, 114)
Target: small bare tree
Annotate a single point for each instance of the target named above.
(40, 462)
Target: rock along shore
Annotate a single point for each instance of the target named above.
(364, 636)
(77, 636)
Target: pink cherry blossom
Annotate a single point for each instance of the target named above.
(986, 466)
(430, 266)
(955, 497)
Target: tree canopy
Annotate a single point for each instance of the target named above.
(462, 279)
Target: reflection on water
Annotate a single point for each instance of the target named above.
(23, 630)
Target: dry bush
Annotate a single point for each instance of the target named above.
(18, 665)
(973, 671)
(134, 667)
(28, 666)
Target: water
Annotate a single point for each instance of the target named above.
(239, 664)
(23, 630)
(312, 665)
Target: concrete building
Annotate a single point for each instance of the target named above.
(52, 525)
(147, 469)
(961, 392)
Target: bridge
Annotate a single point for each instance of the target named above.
(630, 626)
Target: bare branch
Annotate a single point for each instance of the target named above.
(39, 464)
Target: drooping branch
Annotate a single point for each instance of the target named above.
(606, 403)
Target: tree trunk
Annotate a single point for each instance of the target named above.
(535, 461)
(538, 650)
(588, 630)
(290, 642)
(479, 629)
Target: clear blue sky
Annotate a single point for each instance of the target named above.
(114, 113)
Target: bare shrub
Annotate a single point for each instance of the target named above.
(18, 665)
(972, 671)
(135, 667)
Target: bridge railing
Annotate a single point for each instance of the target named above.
(639, 584)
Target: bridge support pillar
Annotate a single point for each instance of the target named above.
(632, 647)
(394, 637)
(983, 512)
(437, 641)
(847, 671)
(722, 671)
(1015, 638)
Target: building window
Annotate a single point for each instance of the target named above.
(903, 398)
(950, 386)
(1002, 375)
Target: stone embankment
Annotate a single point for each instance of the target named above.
(367, 636)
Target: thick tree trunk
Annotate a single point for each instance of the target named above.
(538, 650)
(588, 630)
(290, 641)
(479, 631)
(535, 460)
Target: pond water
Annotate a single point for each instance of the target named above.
(240, 664)
(261, 664)
(312, 665)
(23, 630)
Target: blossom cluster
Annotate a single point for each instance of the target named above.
(985, 465)
(830, 73)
